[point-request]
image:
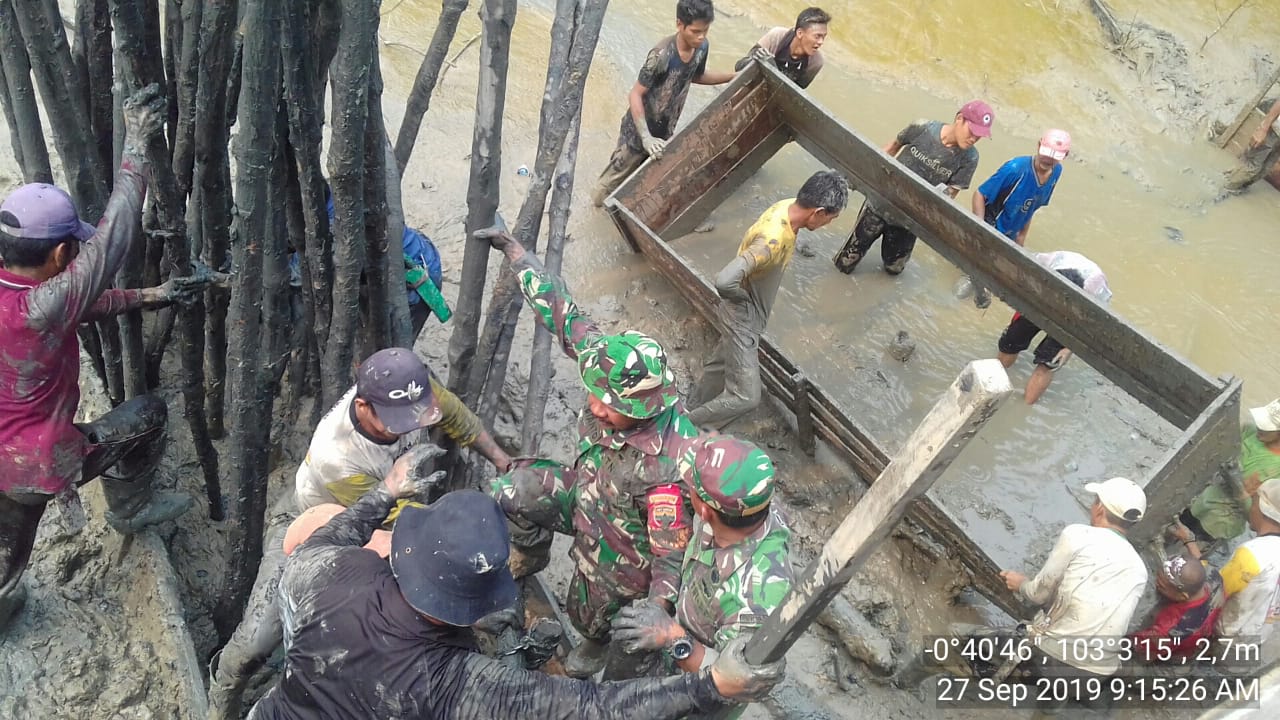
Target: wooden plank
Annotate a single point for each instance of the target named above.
(1247, 110)
(1192, 463)
(804, 414)
(970, 401)
(722, 140)
(1133, 360)
(741, 168)
(851, 442)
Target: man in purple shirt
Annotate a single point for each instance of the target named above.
(55, 273)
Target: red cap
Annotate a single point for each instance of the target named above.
(979, 116)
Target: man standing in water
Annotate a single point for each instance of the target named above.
(1050, 354)
(748, 285)
(945, 156)
(1010, 198)
(796, 52)
(657, 99)
(1220, 513)
(1262, 155)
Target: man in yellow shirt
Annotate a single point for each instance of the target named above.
(748, 286)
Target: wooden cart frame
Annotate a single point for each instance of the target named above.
(761, 111)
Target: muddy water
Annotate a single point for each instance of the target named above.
(1137, 196)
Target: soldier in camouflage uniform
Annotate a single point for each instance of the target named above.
(621, 498)
(736, 569)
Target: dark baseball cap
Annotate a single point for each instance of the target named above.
(979, 116)
(43, 212)
(398, 385)
(450, 558)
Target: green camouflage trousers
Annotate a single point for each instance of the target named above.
(540, 497)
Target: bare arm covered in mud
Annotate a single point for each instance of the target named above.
(731, 278)
(354, 526)
(714, 78)
(487, 689)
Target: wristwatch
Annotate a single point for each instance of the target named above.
(681, 648)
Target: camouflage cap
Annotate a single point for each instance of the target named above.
(733, 476)
(629, 373)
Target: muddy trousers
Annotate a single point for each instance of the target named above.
(1255, 164)
(538, 497)
(896, 244)
(731, 385)
(260, 631)
(624, 161)
(124, 448)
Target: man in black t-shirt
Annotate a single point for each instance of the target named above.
(945, 156)
(657, 99)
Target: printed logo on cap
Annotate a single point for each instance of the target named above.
(412, 392)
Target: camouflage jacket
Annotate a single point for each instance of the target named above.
(724, 591)
(631, 515)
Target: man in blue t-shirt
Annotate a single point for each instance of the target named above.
(1009, 198)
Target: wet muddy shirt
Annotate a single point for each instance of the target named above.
(802, 70)
(631, 513)
(1220, 513)
(343, 463)
(1089, 587)
(1252, 582)
(767, 249)
(724, 591)
(355, 650)
(40, 449)
(667, 78)
(924, 154)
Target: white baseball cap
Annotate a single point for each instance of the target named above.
(1269, 499)
(1267, 418)
(1122, 497)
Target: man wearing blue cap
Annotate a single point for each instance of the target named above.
(56, 273)
(370, 640)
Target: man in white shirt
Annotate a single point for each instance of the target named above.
(1090, 584)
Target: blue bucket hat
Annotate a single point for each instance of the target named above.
(450, 558)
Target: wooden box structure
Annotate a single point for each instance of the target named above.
(748, 123)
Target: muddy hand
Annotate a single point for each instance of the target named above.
(497, 235)
(144, 116)
(654, 147)
(644, 626)
(739, 680)
(494, 623)
(409, 476)
(185, 290)
(761, 55)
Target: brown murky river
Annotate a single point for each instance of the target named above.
(1138, 196)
